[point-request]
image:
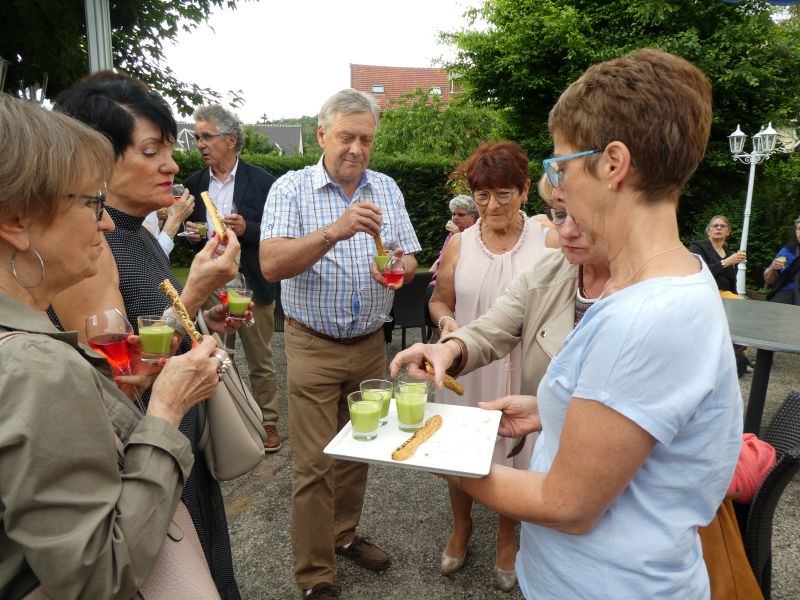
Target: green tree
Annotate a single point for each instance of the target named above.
(257, 143)
(533, 49)
(49, 36)
(420, 124)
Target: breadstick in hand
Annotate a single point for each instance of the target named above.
(219, 225)
(421, 435)
(172, 295)
(449, 381)
(381, 251)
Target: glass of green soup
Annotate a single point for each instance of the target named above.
(155, 336)
(411, 398)
(381, 391)
(365, 416)
(238, 301)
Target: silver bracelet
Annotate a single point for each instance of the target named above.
(439, 324)
(325, 236)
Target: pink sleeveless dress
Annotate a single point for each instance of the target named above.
(481, 278)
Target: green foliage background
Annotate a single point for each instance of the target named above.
(532, 50)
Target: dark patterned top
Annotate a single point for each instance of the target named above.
(582, 304)
(142, 265)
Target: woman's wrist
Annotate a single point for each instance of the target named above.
(444, 318)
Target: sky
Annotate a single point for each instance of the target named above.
(288, 57)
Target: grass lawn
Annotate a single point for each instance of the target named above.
(181, 273)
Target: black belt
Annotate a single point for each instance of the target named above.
(345, 341)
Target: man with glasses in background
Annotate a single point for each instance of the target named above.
(239, 191)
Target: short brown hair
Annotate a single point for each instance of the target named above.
(497, 165)
(45, 156)
(657, 104)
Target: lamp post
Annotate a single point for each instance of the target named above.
(763, 147)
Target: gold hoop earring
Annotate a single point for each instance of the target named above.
(16, 277)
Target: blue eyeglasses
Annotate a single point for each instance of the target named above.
(554, 175)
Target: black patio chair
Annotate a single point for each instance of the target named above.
(784, 434)
(409, 305)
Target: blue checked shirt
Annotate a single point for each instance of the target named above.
(337, 295)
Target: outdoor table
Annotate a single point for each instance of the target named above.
(770, 327)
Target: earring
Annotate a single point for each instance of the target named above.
(16, 277)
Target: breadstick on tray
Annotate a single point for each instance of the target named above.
(421, 435)
(449, 381)
(172, 295)
(219, 225)
(379, 245)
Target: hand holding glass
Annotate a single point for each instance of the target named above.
(107, 333)
(393, 272)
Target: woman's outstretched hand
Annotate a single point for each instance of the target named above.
(520, 415)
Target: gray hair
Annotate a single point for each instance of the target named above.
(465, 202)
(347, 102)
(227, 122)
(797, 221)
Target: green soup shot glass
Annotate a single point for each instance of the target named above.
(365, 416)
(155, 336)
(411, 398)
(378, 390)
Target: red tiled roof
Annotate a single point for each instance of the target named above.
(397, 81)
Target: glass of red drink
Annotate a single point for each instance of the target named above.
(393, 272)
(107, 333)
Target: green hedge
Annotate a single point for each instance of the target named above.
(715, 189)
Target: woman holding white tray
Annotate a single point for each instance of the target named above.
(638, 439)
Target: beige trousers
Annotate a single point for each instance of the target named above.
(327, 494)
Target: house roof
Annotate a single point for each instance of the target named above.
(397, 81)
(288, 138)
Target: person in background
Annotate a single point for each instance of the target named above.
(463, 215)
(165, 223)
(317, 236)
(783, 274)
(239, 191)
(722, 262)
(142, 129)
(72, 520)
(477, 267)
(639, 438)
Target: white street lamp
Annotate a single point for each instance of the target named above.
(763, 147)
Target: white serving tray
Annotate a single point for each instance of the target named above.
(463, 445)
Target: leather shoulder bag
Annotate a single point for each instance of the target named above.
(232, 437)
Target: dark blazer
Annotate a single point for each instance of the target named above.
(724, 276)
(250, 190)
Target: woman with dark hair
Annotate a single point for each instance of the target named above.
(477, 266)
(639, 438)
(142, 130)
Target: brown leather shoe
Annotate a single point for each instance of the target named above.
(366, 554)
(274, 441)
(322, 591)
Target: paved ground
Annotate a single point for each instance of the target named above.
(407, 513)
